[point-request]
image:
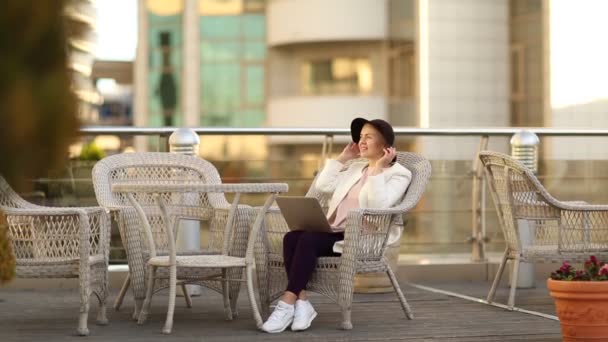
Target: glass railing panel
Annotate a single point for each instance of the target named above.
(440, 224)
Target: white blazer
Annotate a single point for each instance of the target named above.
(381, 191)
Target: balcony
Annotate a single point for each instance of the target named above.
(340, 20)
(436, 267)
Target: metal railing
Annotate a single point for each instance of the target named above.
(478, 237)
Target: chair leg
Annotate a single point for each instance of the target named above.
(137, 309)
(235, 287)
(226, 295)
(172, 287)
(252, 300)
(345, 301)
(187, 296)
(514, 276)
(122, 293)
(406, 307)
(263, 291)
(497, 277)
(83, 316)
(233, 304)
(102, 318)
(143, 314)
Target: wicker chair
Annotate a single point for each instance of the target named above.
(365, 246)
(561, 230)
(153, 168)
(53, 242)
(226, 261)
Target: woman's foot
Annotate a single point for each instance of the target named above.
(280, 319)
(304, 314)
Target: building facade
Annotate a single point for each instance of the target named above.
(320, 63)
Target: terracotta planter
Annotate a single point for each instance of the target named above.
(582, 308)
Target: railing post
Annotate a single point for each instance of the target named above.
(186, 141)
(328, 142)
(524, 148)
(478, 235)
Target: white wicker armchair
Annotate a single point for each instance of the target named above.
(365, 246)
(154, 168)
(53, 242)
(561, 230)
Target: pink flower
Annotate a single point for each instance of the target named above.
(603, 270)
(593, 259)
(566, 267)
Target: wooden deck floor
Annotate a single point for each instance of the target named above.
(51, 315)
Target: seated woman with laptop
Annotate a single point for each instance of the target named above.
(378, 182)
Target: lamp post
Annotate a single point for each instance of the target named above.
(186, 141)
(524, 148)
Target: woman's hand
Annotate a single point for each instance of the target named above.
(387, 158)
(384, 161)
(351, 151)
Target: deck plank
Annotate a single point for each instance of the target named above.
(51, 315)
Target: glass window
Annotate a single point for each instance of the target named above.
(220, 51)
(254, 26)
(220, 27)
(336, 76)
(249, 118)
(220, 86)
(255, 51)
(254, 94)
(233, 53)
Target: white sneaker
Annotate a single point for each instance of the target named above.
(280, 319)
(304, 315)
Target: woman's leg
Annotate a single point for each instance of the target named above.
(290, 241)
(300, 252)
(310, 246)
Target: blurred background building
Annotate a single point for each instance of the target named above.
(308, 63)
(81, 17)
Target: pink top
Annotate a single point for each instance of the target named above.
(350, 202)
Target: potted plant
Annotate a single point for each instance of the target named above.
(7, 259)
(38, 109)
(581, 300)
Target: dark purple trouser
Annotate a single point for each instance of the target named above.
(300, 252)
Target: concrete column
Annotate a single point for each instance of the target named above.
(191, 65)
(140, 77)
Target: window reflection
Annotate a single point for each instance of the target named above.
(336, 76)
(233, 52)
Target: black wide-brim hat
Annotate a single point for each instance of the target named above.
(382, 126)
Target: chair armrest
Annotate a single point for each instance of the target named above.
(51, 233)
(96, 223)
(579, 206)
(44, 211)
(389, 211)
(274, 229)
(367, 232)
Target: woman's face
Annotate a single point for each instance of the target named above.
(371, 144)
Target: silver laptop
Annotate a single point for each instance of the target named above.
(303, 213)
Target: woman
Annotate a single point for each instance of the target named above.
(376, 183)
